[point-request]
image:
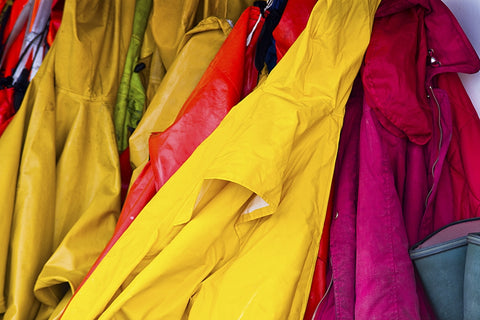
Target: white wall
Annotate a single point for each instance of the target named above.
(467, 13)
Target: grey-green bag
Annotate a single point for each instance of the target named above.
(440, 261)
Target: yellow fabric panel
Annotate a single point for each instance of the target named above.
(235, 232)
(171, 20)
(10, 151)
(168, 25)
(198, 48)
(64, 167)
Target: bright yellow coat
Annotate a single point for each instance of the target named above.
(234, 233)
(59, 157)
(68, 265)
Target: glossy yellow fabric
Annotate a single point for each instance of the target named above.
(181, 40)
(62, 159)
(234, 233)
(198, 48)
(172, 19)
(10, 151)
(167, 33)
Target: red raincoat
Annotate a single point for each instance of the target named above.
(463, 154)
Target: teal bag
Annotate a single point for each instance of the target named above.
(440, 260)
(471, 293)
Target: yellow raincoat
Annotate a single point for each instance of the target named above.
(176, 60)
(235, 231)
(59, 158)
(172, 19)
(197, 49)
(171, 25)
(68, 265)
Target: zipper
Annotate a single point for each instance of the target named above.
(439, 142)
(323, 298)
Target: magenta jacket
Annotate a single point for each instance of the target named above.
(406, 164)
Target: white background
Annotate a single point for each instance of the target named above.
(467, 13)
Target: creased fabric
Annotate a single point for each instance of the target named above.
(241, 220)
(60, 176)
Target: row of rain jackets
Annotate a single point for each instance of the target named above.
(54, 274)
(250, 192)
(406, 161)
(89, 205)
(164, 94)
(175, 137)
(228, 79)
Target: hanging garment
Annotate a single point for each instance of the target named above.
(293, 21)
(171, 20)
(6, 108)
(463, 153)
(169, 29)
(241, 220)
(265, 54)
(345, 188)
(34, 45)
(404, 190)
(60, 176)
(13, 35)
(5, 11)
(196, 51)
(168, 25)
(198, 48)
(131, 94)
(12, 38)
(30, 30)
(55, 20)
(229, 78)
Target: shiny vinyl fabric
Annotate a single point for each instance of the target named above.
(240, 222)
(131, 94)
(6, 108)
(292, 23)
(13, 38)
(171, 20)
(169, 23)
(197, 49)
(60, 183)
(229, 77)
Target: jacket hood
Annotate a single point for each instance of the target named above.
(414, 41)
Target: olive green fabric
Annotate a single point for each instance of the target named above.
(131, 94)
(164, 38)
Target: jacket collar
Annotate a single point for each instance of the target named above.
(445, 38)
(395, 82)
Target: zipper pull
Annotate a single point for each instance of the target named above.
(432, 60)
